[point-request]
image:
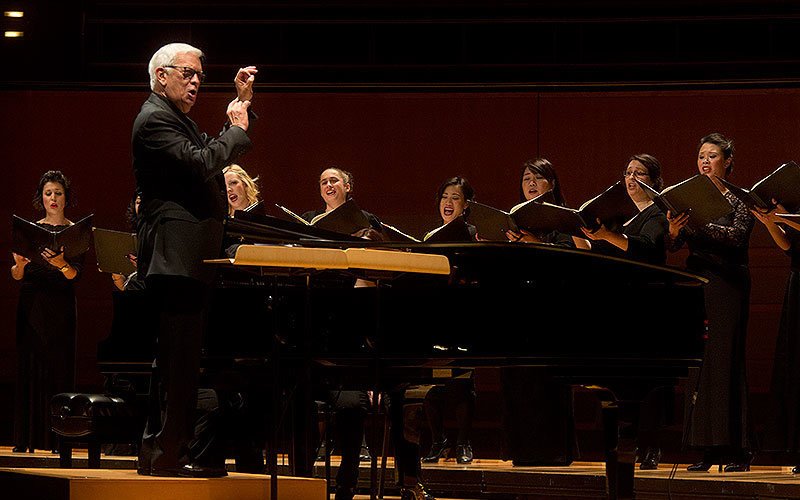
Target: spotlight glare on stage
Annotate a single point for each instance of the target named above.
(14, 34)
(13, 13)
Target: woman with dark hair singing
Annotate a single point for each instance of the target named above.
(45, 322)
(719, 419)
(538, 178)
(642, 237)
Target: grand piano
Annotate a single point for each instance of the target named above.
(601, 322)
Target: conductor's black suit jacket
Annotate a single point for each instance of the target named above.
(179, 173)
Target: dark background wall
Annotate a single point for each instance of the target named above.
(403, 94)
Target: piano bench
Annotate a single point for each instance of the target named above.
(94, 419)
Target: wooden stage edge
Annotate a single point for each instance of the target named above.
(36, 475)
(119, 484)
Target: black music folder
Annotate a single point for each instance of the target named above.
(391, 233)
(291, 216)
(112, 249)
(492, 223)
(697, 195)
(256, 208)
(455, 230)
(613, 207)
(347, 218)
(783, 185)
(30, 239)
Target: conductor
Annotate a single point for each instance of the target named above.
(178, 171)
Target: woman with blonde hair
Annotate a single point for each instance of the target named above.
(242, 190)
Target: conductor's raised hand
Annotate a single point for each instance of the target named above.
(244, 83)
(237, 114)
(676, 222)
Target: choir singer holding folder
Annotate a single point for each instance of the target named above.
(641, 238)
(45, 322)
(179, 174)
(336, 188)
(719, 419)
(539, 177)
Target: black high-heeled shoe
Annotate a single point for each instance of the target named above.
(701, 466)
(740, 465)
(464, 453)
(709, 459)
(651, 458)
(439, 449)
(20, 449)
(796, 469)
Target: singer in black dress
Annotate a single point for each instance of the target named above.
(642, 238)
(458, 392)
(783, 425)
(538, 416)
(719, 420)
(45, 323)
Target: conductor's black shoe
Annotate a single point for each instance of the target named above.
(415, 493)
(651, 458)
(464, 453)
(796, 469)
(20, 449)
(439, 449)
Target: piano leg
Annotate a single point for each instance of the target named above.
(620, 420)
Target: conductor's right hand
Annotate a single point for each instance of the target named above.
(237, 114)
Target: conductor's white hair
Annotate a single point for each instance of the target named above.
(166, 55)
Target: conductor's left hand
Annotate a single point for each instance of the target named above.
(244, 83)
(237, 114)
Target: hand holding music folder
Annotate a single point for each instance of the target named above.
(493, 223)
(782, 185)
(30, 239)
(698, 196)
(112, 249)
(613, 207)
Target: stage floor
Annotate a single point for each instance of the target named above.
(491, 479)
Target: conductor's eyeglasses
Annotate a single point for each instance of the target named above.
(188, 72)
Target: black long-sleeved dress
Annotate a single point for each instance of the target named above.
(783, 429)
(718, 251)
(646, 238)
(45, 348)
